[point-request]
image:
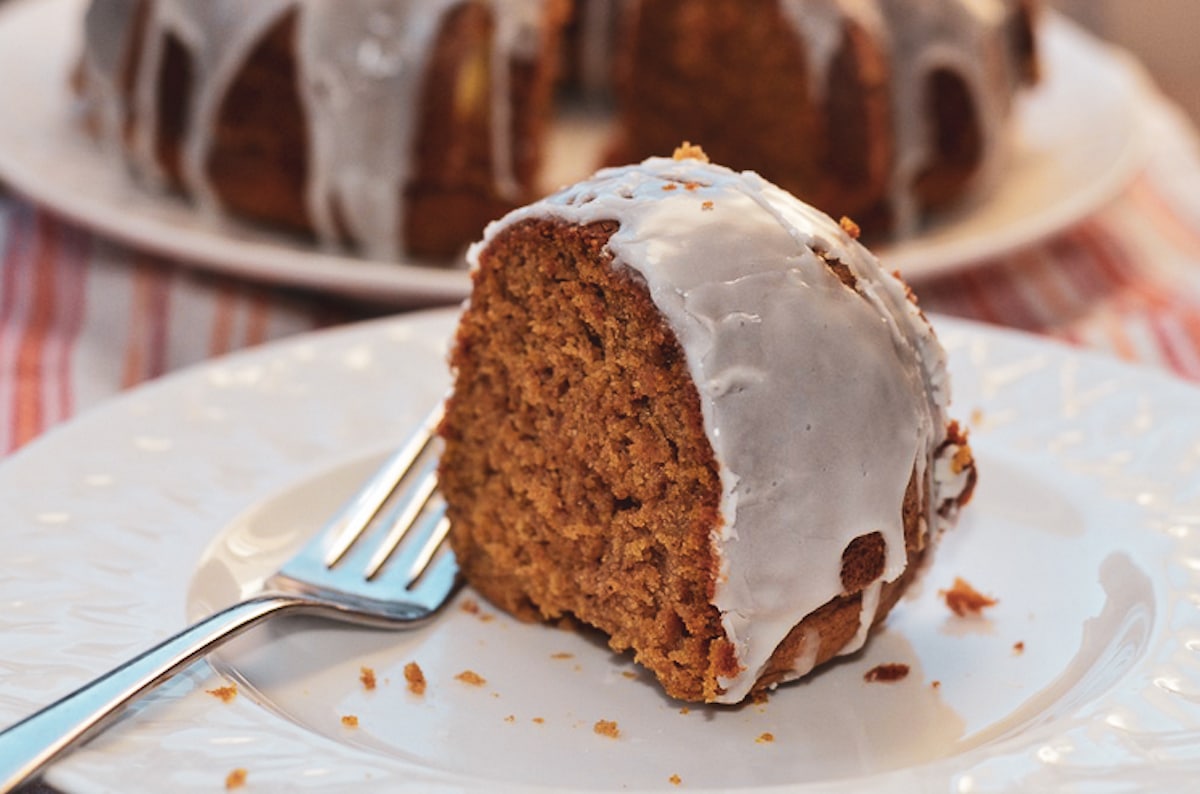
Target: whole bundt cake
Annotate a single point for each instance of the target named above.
(693, 412)
(398, 128)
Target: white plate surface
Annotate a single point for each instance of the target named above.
(179, 495)
(1080, 139)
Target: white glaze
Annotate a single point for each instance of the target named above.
(361, 75)
(968, 38)
(819, 402)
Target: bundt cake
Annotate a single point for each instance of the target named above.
(882, 110)
(400, 128)
(693, 412)
(395, 127)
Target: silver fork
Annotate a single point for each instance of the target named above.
(401, 585)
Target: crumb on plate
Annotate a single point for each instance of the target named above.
(886, 673)
(415, 678)
(607, 728)
(224, 693)
(471, 677)
(964, 600)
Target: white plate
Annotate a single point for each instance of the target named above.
(1086, 526)
(1081, 137)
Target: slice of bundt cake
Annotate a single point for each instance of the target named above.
(695, 413)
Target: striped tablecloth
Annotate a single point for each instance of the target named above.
(83, 318)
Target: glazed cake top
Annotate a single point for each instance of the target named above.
(820, 401)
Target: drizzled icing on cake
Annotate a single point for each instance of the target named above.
(360, 79)
(820, 402)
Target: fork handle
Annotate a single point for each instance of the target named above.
(34, 741)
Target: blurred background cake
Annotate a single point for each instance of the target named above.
(397, 128)
(693, 412)
(884, 110)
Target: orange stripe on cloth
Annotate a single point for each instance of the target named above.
(1165, 216)
(1169, 318)
(145, 354)
(75, 263)
(1181, 352)
(260, 318)
(12, 268)
(28, 418)
(1119, 267)
(220, 339)
(234, 303)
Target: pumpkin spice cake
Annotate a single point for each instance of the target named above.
(695, 413)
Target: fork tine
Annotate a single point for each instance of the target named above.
(438, 579)
(355, 517)
(414, 503)
(431, 547)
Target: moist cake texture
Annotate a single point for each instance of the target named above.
(695, 413)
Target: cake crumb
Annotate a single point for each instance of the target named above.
(670, 186)
(562, 655)
(962, 460)
(235, 779)
(708, 205)
(415, 678)
(539, 720)
(471, 677)
(964, 600)
(350, 720)
(1018, 648)
(511, 718)
(607, 728)
(471, 607)
(936, 684)
(688, 151)
(685, 710)
(850, 227)
(886, 673)
(766, 737)
(632, 676)
(367, 676)
(674, 780)
(225, 694)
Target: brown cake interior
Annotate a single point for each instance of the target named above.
(576, 468)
